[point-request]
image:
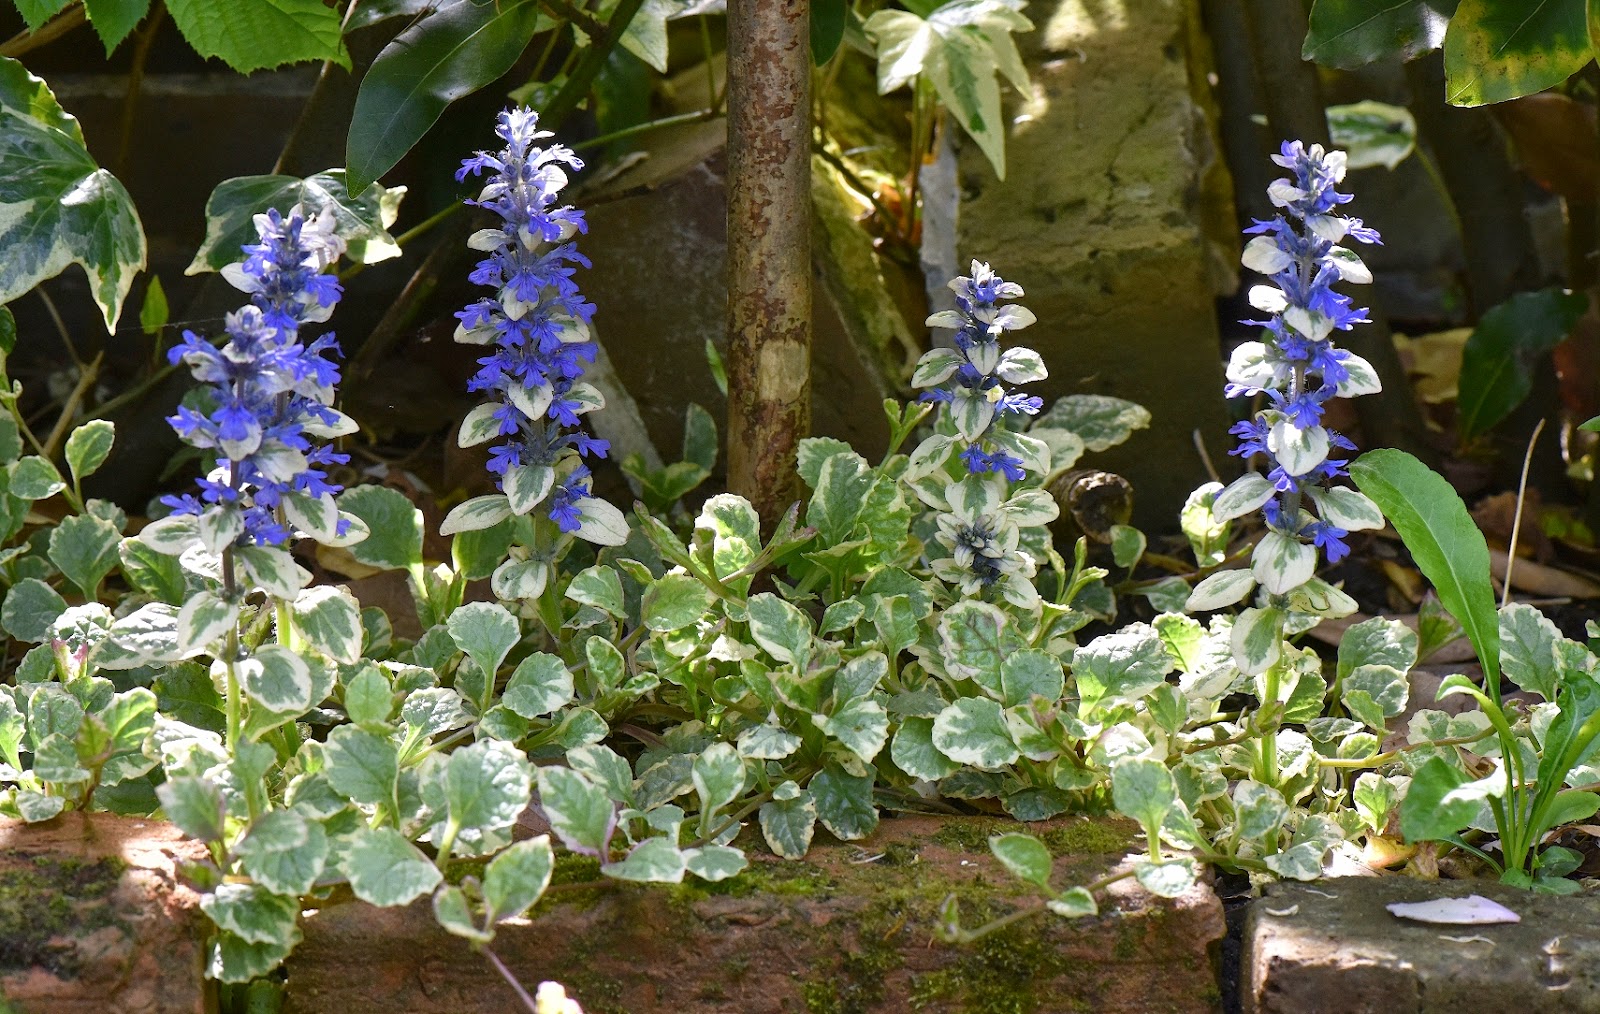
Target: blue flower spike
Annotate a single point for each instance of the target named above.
(535, 336)
(1298, 368)
(981, 520)
(268, 401)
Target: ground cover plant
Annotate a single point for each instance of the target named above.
(671, 686)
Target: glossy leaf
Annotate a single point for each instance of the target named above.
(1497, 50)
(252, 35)
(1499, 359)
(445, 56)
(1353, 33)
(362, 221)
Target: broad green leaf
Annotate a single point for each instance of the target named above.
(789, 820)
(395, 542)
(194, 805)
(368, 696)
(675, 601)
(1121, 668)
(486, 785)
(153, 310)
(579, 811)
(112, 20)
(1443, 539)
(1496, 50)
(973, 731)
(89, 446)
(517, 877)
(85, 548)
(653, 861)
(1352, 33)
(31, 606)
(861, 724)
(844, 802)
(1143, 790)
(1101, 422)
(57, 207)
(1428, 813)
(1031, 673)
(284, 852)
(718, 777)
(362, 222)
(1377, 641)
(1025, 856)
(156, 574)
(330, 618)
(385, 869)
(251, 912)
(486, 631)
(36, 12)
(539, 685)
(361, 765)
(913, 751)
(448, 55)
(252, 35)
(780, 628)
(1499, 359)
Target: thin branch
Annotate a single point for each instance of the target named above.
(1516, 523)
(130, 101)
(63, 425)
(591, 26)
(510, 977)
(48, 32)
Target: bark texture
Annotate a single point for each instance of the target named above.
(769, 248)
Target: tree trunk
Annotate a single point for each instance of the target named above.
(769, 249)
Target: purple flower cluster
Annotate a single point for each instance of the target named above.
(268, 395)
(971, 379)
(538, 321)
(1298, 367)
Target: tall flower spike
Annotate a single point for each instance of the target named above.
(1298, 368)
(535, 332)
(269, 395)
(981, 520)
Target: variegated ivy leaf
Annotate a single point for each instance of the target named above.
(959, 48)
(480, 426)
(1101, 422)
(718, 778)
(652, 861)
(1318, 598)
(976, 639)
(329, 617)
(146, 636)
(385, 869)
(1257, 640)
(277, 679)
(1167, 879)
(541, 684)
(715, 862)
(1220, 590)
(519, 579)
(971, 413)
(204, 620)
(1347, 508)
(937, 366)
(476, 514)
(1298, 450)
(362, 222)
(1243, 496)
(780, 628)
(1362, 378)
(1260, 810)
(602, 524)
(1121, 668)
(1282, 563)
(316, 517)
(526, 486)
(767, 742)
(861, 724)
(170, 535)
(57, 207)
(272, 570)
(486, 631)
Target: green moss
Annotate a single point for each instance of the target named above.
(572, 868)
(43, 898)
(784, 879)
(857, 985)
(998, 976)
(1088, 837)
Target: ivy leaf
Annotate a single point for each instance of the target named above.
(89, 446)
(486, 785)
(486, 631)
(362, 221)
(789, 820)
(973, 731)
(844, 802)
(56, 205)
(652, 861)
(395, 542)
(959, 48)
(330, 619)
(1098, 420)
(284, 852)
(579, 811)
(447, 55)
(252, 35)
(385, 869)
(85, 548)
(1025, 856)
(1353, 33)
(517, 877)
(675, 601)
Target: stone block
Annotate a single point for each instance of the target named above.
(1116, 217)
(849, 928)
(93, 919)
(1333, 948)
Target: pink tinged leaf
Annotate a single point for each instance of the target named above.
(1470, 911)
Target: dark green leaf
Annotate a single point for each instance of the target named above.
(1442, 538)
(1352, 33)
(1498, 361)
(827, 28)
(444, 57)
(112, 20)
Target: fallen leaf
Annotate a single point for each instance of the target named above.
(1291, 910)
(1538, 579)
(1474, 910)
(1467, 940)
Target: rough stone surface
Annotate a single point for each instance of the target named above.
(1333, 947)
(849, 929)
(94, 921)
(1115, 216)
